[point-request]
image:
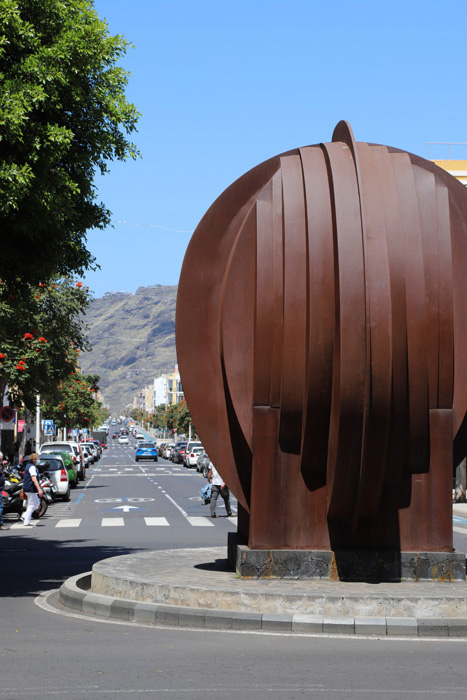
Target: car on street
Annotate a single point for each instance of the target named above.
(168, 450)
(123, 440)
(191, 457)
(202, 465)
(73, 449)
(55, 469)
(177, 447)
(69, 466)
(146, 450)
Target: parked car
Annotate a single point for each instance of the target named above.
(86, 455)
(179, 456)
(73, 449)
(146, 450)
(69, 466)
(202, 465)
(193, 443)
(191, 457)
(55, 469)
(123, 440)
(161, 449)
(177, 447)
(168, 450)
(93, 454)
(96, 444)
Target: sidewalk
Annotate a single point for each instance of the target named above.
(196, 588)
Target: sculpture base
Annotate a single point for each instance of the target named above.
(365, 566)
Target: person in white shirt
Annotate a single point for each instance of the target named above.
(31, 488)
(218, 487)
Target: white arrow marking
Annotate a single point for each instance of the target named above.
(125, 509)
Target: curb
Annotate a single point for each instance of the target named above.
(75, 594)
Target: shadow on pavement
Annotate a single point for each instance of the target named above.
(30, 566)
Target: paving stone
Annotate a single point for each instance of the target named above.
(95, 604)
(145, 613)
(457, 628)
(246, 621)
(313, 624)
(218, 619)
(402, 626)
(432, 627)
(191, 617)
(371, 626)
(338, 625)
(277, 622)
(167, 615)
(122, 610)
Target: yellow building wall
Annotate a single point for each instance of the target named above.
(458, 168)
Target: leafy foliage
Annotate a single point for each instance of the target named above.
(63, 117)
(41, 336)
(74, 404)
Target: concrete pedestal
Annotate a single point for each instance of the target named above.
(371, 567)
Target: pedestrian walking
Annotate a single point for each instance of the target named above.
(3, 462)
(28, 448)
(218, 487)
(31, 488)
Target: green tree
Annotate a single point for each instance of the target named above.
(42, 332)
(74, 404)
(182, 417)
(63, 117)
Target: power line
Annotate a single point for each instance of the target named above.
(164, 228)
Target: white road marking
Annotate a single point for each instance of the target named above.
(175, 504)
(157, 522)
(71, 522)
(113, 522)
(20, 526)
(461, 530)
(200, 522)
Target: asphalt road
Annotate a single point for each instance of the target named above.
(123, 507)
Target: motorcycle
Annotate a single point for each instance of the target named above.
(13, 503)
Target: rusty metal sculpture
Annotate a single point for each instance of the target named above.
(321, 338)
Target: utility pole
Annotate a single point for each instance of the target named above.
(38, 422)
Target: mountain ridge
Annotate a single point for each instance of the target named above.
(133, 340)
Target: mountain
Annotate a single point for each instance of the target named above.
(133, 341)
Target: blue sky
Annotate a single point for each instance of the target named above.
(222, 85)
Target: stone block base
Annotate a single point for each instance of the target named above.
(371, 567)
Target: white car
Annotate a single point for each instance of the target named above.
(57, 473)
(123, 440)
(191, 458)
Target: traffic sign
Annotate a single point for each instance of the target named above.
(48, 427)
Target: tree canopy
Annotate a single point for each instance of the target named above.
(42, 332)
(63, 117)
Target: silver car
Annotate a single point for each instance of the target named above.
(54, 467)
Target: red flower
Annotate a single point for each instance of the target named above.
(28, 336)
(35, 332)
(42, 340)
(11, 296)
(41, 284)
(2, 355)
(37, 296)
(79, 284)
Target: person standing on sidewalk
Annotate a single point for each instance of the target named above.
(31, 488)
(218, 487)
(2, 484)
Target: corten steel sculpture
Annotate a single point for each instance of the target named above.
(321, 338)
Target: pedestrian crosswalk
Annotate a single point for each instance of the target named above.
(121, 522)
